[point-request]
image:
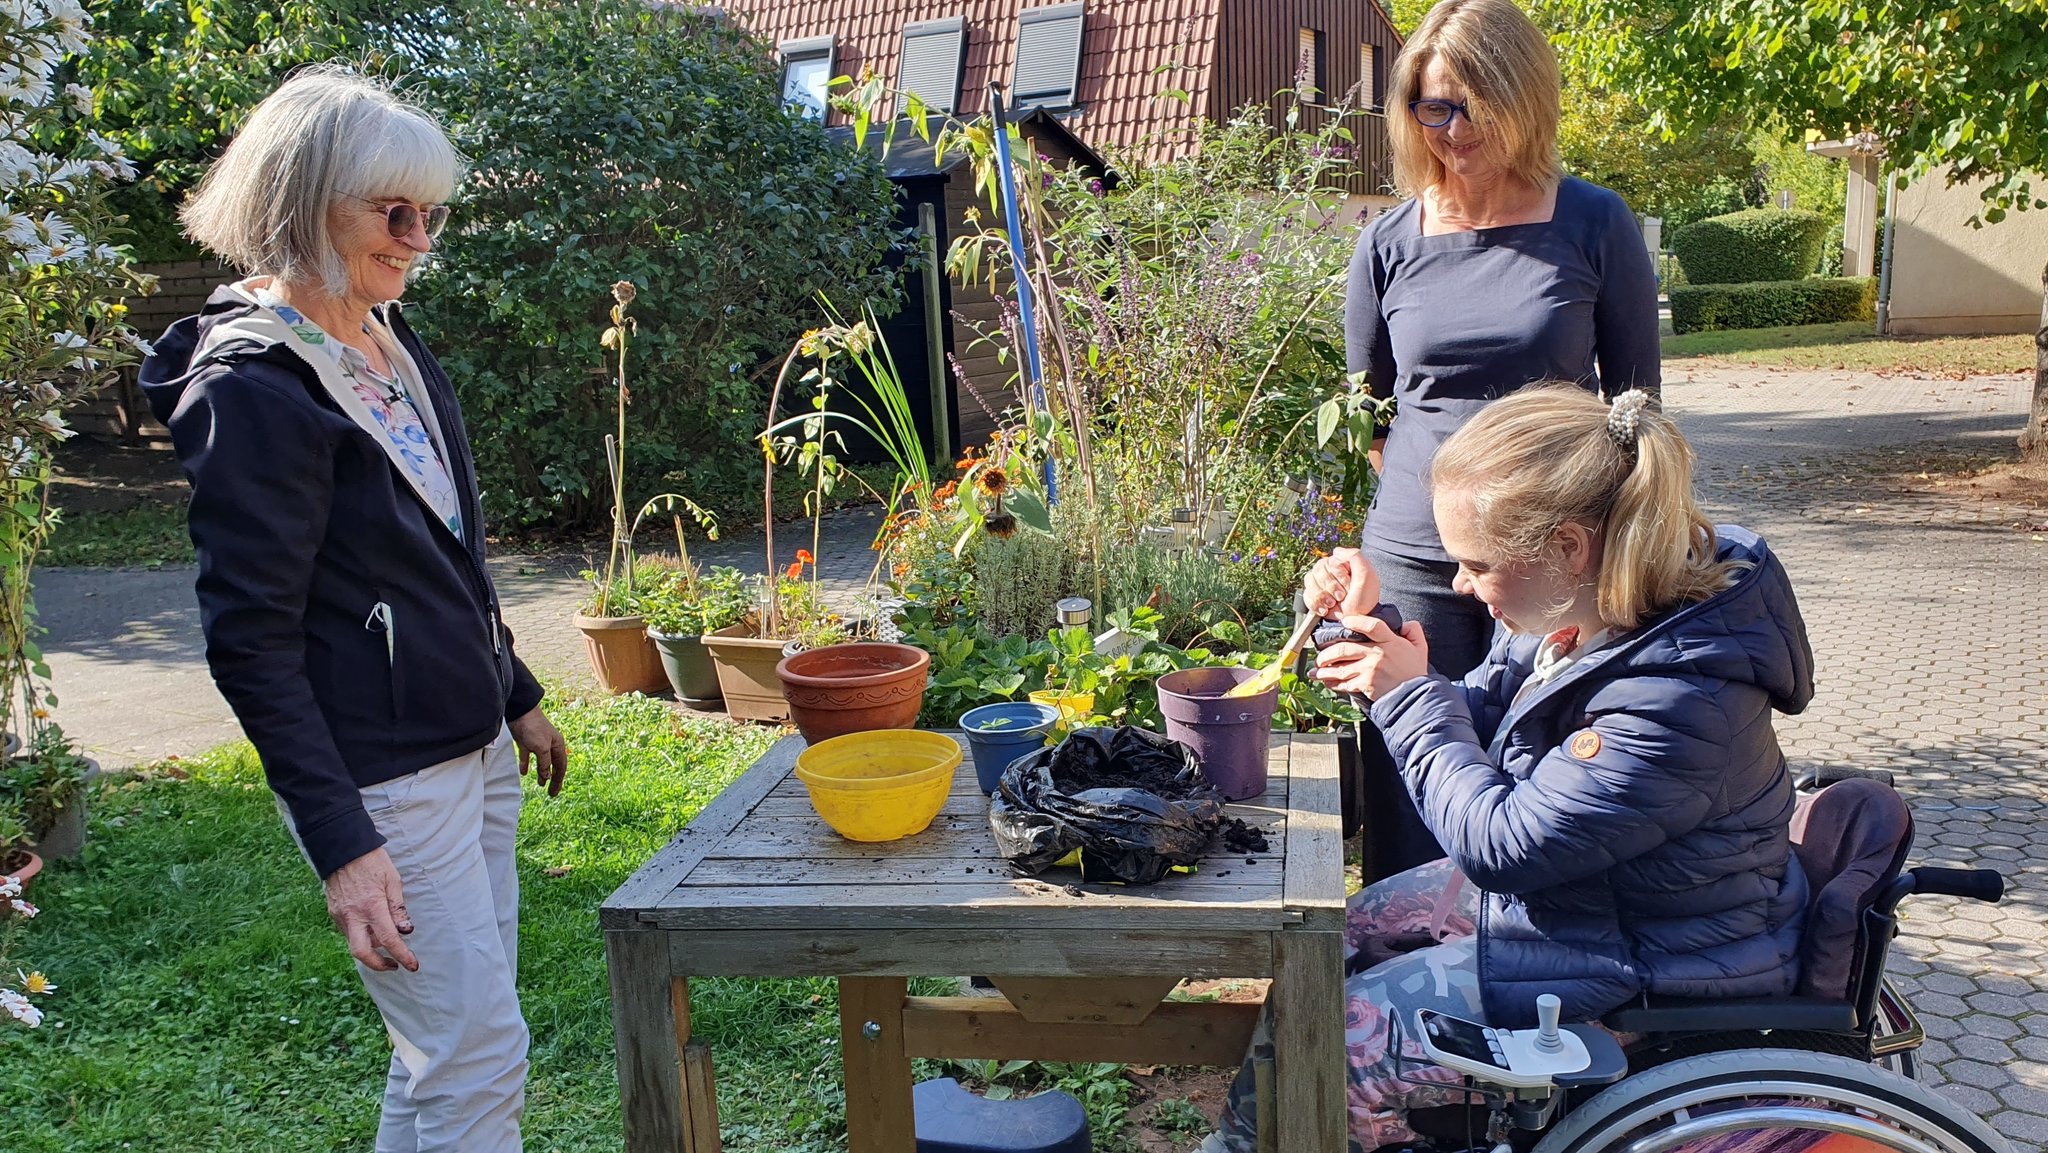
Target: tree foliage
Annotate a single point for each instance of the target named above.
(1944, 86)
(611, 140)
(1958, 87)
(171, 80)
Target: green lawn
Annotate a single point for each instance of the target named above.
(150, 534)
(1852, 346)
(204, 1003)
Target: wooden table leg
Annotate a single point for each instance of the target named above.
(879, 1118)
(650, 1027)
(1308, 1040)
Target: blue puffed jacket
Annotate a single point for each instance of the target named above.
(1631, 828)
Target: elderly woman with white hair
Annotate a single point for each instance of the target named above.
(349, 619)
(1498, 271)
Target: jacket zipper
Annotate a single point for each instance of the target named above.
(473, 521)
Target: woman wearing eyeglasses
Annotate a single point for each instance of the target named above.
(349, 619)
(1497, 271)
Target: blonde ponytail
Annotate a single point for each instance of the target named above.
(1554, 453)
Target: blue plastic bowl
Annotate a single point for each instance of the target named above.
(1000, 733)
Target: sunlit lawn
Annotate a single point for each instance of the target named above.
(1854, 346)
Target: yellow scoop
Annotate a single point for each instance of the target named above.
(1269, 677)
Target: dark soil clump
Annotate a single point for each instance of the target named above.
(1239, 837)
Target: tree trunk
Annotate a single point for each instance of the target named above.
(2034, 441)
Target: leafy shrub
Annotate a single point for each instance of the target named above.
(611, 140)
(1753, 245)
(1816, 300)
(686, 603)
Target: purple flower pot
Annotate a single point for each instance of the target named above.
(1228, 735)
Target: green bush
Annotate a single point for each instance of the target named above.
(1756, 244)
(1772, 304)
(611, 140)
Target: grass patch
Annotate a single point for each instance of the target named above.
(146, 535)
(204, 1002)
(1852, 347)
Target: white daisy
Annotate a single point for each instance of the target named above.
(22, 908)
(80, 97)
(15, 228)
(141, 345)
(17, 165)
(54, 230)
(65, 174)
(67, 11)
(16, 1006)
(118, 169)
(69, 339)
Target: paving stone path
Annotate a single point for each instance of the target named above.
(1928, 613)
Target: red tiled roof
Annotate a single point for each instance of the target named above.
(1132, 52)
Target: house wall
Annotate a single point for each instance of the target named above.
(1948, 277)
(1264, 37)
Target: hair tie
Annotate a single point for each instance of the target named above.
(1625, 418)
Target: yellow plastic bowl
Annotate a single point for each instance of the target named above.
(879, 785)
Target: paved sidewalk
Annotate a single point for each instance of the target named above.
(1928, 613)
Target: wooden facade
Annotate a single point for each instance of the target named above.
(1337, 42)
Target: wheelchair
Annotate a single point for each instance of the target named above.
(1828, 1069)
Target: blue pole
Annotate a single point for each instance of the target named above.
(1006, 180)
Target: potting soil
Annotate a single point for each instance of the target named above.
(1133, 803)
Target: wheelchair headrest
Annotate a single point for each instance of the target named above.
(1852, 839)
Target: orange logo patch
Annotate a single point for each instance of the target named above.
(1586, 745)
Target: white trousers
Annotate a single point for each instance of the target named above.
(457, 1079)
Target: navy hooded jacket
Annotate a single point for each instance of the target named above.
(356, 638)
(1634, 834)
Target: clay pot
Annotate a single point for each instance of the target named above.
(691, 672)
(854, 688)
(26, 871)
(621, 656)
(746, 674)
(64, 840)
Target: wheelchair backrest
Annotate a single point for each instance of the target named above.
(1852, 839)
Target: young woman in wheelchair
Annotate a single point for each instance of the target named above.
(1607, 784)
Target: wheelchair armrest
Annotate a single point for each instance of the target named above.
(1606, 1062)
(1987, 885)
(1826, 775)
(1659, 1014)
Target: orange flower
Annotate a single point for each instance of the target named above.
(793, 571)
(803, 556)
(946, 491)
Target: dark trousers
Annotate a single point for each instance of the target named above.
(1459, 631)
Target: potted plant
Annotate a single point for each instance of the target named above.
(46, 784)
(746, 652)
(17, 862)
(680, 608)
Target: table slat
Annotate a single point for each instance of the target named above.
(1315, 852)
(660, 875)
(901, 870)
(1195, 951)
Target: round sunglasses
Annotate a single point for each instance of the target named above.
(401, 216)
(1437, 113)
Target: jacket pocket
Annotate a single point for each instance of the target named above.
(383, 622)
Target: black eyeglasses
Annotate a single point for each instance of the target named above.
(1437, 113)
(401, 216)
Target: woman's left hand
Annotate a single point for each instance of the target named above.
(1375, 669)
(543, 746)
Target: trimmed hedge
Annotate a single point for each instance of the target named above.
(1756, 244)
(1773, 304)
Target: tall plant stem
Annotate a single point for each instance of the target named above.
(774, 623)
(1078, 411)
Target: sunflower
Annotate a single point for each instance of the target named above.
(1001, 525)
(992, 481)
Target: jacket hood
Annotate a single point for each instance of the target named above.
(1749, 633)
(178, 358)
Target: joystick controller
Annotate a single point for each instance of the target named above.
(1548, 1010)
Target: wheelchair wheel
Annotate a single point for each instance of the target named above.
(1769, 1101)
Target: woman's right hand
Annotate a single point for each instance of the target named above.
(367, 901)
(1341, 584)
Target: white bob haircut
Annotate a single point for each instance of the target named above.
(326, 134)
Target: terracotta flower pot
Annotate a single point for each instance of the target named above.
(854, 687)
(621, 656)
(23, 872)
(746, 674)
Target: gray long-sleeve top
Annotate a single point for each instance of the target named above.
(1447, 323)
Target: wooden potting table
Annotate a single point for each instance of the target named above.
(758, 886)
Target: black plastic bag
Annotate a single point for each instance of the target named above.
(1134, 803)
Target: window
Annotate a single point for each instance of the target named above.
(1368, 76)
(1308, 64)
(1048, 71)
(806, 74)
(930, 63)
